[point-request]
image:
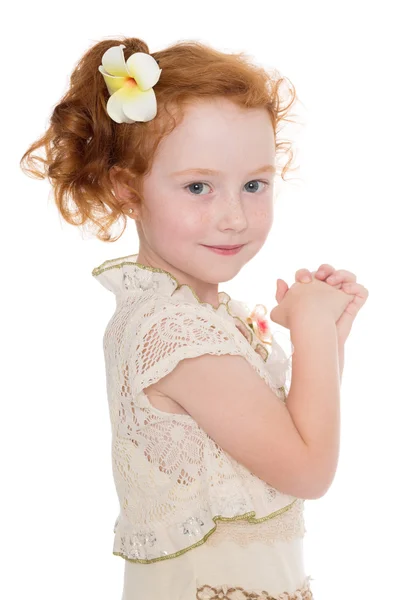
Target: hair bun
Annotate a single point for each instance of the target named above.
(135, 45)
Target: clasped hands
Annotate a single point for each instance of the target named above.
(342, 280)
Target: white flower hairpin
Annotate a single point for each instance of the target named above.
(130, 84)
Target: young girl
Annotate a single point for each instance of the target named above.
(212, 457)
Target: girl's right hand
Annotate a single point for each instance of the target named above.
(316, 296)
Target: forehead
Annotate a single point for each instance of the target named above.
(218, 130)
(204, 118)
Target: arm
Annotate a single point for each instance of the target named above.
(341, 360)
(314, 397)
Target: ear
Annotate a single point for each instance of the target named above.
(122, 182)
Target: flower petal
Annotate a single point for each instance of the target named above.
(114, 61)
(144, 69)
(138, 105)
(113, 83)
(259, 311)
(130, 104)
(115, 104)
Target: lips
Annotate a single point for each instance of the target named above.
(227, 247)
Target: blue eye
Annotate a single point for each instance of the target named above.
(200, 183)
(259, 181)
(197, 184)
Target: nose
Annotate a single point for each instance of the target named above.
(232, 214)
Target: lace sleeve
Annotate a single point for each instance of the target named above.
(168, 334)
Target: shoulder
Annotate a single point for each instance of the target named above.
(164, 312)
(184, 324)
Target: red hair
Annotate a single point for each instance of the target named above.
(82, 143)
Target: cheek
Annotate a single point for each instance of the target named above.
(180, 224)
(262, 218)
(195, 224)
(262, 214)
(197, 218)
(203, 219)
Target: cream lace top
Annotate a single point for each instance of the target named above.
(174, 483)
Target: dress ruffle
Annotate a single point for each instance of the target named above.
(126, 275)
(166, 542)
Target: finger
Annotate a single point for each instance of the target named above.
(324, 271)
(302, 275)
(322, 277)
(281, 289)
(301, 272)
(341, 276)
(360, 295)
(355, 288)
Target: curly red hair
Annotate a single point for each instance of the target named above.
(82, 143)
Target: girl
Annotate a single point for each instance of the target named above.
(212, 457)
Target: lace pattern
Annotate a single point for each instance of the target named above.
(173, 481)
(285, 527)
(226, 592)
(182, 479)
(169, 331)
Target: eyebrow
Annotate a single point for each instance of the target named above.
(263, 169)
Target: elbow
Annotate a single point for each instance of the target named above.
(322, 478)
(319, 490)
(311, 493)
(323, 491)
(312, 488)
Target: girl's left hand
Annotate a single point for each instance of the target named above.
(347, 282)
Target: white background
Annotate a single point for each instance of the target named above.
(58, 503)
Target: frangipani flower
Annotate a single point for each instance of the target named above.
(130, 84)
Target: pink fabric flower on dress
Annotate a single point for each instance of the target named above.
(259, 323)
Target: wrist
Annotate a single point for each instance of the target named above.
(310, 315)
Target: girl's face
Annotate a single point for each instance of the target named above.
(231, 204)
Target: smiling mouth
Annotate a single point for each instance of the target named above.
(226, 247)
